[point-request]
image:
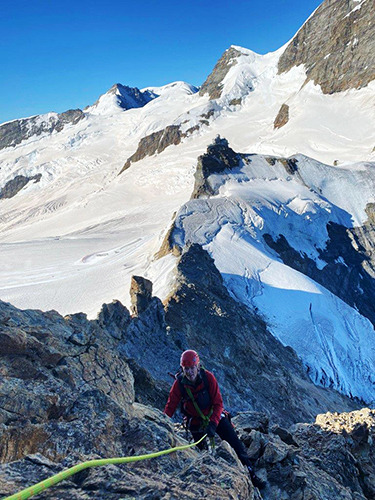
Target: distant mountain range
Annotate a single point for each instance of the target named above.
(269, 166)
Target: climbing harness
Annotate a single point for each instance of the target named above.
(57, 478)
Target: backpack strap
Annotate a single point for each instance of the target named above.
(185, 389)
(205, 418)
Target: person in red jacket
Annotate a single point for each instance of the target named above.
(202, 404)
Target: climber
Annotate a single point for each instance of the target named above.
(202, 405)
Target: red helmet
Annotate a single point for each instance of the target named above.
(189, 358)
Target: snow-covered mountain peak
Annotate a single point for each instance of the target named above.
(238, 72)
(119, 98)
(250, 69)
(242, 50)
(172, 89)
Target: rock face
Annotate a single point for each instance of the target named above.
(168, 245)
(140, 294)
(350, 268)
(213, 85)
(332, 458)
(69, 389)
(114, 318)
(158, 141)
(218, 158)
(155, 143)
(180, 475)
(336, 45)
(59, 380)
(282, 117)
(15, 185)
(14, 132)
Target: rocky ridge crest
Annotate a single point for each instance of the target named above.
(16, 131)
(73, 390)
(213, 85)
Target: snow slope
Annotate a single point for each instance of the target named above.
(81, 195)
(334, 341)
(72, 241)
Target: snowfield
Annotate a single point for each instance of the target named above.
(334, 341)
(72, 241)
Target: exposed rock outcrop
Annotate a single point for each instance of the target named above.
(282, 117)
(114, 318)
(140, 294)
(155, 143)
(332, 458)
(350, 269)
(235, 102)
(168, 245)
(158, 141)
(336, 45)
(15, 185)
(180, 475)
(213, 85)
(219, 157)
(290, 164)
(14, 132)
(59, 386)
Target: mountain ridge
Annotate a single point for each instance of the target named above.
(243, 223)
(168, 132)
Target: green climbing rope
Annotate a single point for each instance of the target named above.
(47, 483)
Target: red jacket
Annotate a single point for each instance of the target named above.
(216, 404)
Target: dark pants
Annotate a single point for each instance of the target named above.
(227, 433)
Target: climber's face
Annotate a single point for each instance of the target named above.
(191, 372)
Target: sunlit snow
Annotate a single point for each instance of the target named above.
(73, 240)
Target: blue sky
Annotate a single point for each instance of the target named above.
(61, 54)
